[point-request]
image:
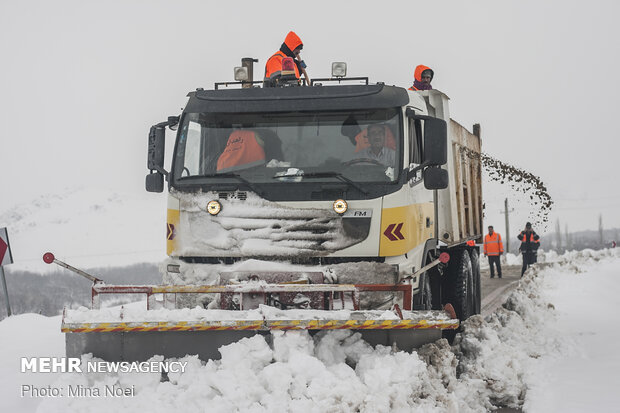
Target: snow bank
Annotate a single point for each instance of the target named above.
(583, 378)
(544, 256)
(26, 335)
(497, 361)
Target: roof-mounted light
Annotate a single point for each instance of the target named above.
(241, 74)
(288, 66)
(339, 69)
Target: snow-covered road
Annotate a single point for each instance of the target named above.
(550, 348)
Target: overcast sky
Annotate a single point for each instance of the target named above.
(82, 81)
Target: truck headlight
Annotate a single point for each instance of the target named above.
(340, 206)
(214, 207)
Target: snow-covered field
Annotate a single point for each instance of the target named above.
(550, 348)
(87, 228)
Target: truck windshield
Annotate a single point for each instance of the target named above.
(351, 146)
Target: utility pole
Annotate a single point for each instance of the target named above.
(600, 231)
(507, 212)
(558, 236)
(568, 243)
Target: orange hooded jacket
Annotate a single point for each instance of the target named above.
(273, 67)
(243, 150)
(417, 76)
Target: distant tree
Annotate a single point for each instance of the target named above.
(49, 293)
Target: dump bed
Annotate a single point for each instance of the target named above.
(460, 205)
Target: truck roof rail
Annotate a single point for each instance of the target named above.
(337, 79)
(251, 83)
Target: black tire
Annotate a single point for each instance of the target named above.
(460, 284)
(474, 255)
(423, 300)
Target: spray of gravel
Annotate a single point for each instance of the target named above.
(521, 182)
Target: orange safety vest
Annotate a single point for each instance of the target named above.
(536, 241)
(361, 139)
(493, 244)
(243, 150)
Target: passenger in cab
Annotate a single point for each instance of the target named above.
(422, 78)
(244, 149)
(362, 141)
(377, 150)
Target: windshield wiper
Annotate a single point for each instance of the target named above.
(337, 175)
(238, 177)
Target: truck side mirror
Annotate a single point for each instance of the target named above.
(435, 178)
(435, 141)
(435, 138)
(155, 156)
(155, 182)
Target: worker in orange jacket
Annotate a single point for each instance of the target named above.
(422, 78)
(291, 47)
(493, 249)
(244, 149)
(530, 241)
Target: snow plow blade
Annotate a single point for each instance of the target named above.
(135, 333)
(119, 338)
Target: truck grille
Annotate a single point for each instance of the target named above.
(240, 195)
(266, 229)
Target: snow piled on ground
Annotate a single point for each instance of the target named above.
(26, 335)
(520, 354)
(584, 290)
(542, 256)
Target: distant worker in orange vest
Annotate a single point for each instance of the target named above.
(530, 241)
(244, 149)
(422, 78)
(493, 248)
(290, 48)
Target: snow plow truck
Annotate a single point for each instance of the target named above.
(342, 204)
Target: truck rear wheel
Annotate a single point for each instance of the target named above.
(474, 255)
(460, 284)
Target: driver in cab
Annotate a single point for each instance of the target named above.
(377, 151)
